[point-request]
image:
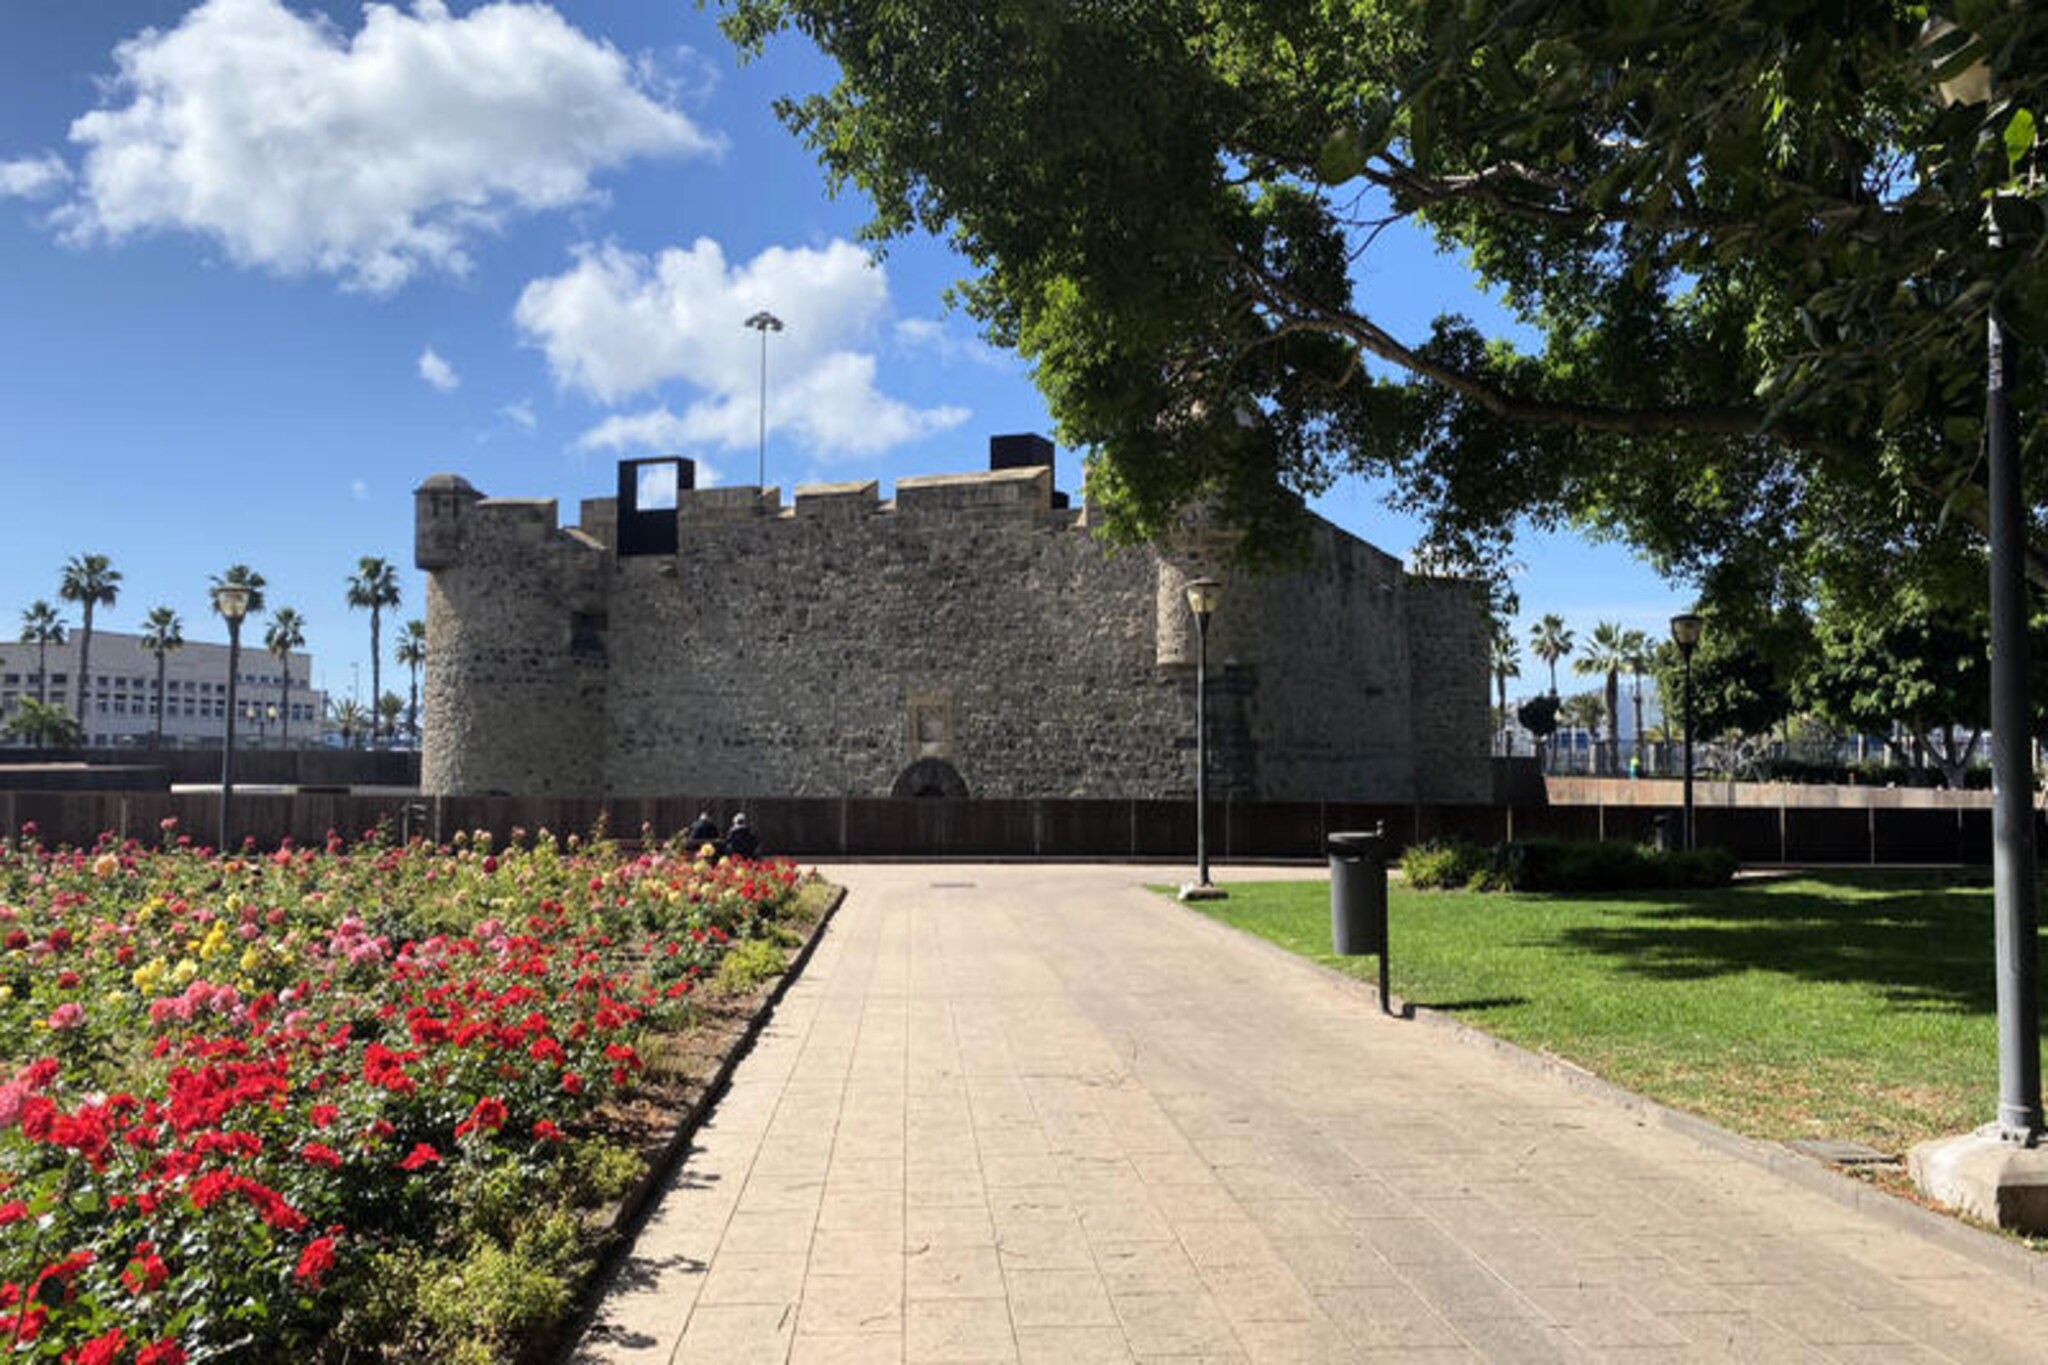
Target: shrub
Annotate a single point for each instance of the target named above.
(1442, 864)
(1560, 865)
(746, 965)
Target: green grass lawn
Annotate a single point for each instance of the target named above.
(1855, 1006)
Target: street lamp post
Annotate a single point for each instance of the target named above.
(2012, 769)
(1685, 633)
(763, 322)
(2000, 1172)
(232, 602)
(1203, 595)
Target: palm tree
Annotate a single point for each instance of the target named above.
(285, 633)
(373, 587)
(1507, 663)
(412, 652)
(43, 725)
(91, 581)
(246, 578)
(1606, 656)
(162, 632)
(1550, 641)
(42, 627)
(390, 707)
(1641, 655)
(349, 717)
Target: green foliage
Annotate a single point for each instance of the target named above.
(748, 964)
(44, 726)
(1736, 686)
(1557, 865)
(1441, 864)
(1538, 715)
(1745, 239)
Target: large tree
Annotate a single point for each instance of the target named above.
(285, 633)
(411, 651)
(1550, 641)
(1607, 655)
(163, 634)
(373, 587)
(42, 627)
(91, 581)
(1506, 663)
(1741, 245)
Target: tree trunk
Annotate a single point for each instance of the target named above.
(161, 659)
(84, 668)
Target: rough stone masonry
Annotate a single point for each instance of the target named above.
(970, 637)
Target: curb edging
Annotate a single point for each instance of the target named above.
(622, 1228)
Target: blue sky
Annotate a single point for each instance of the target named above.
(265, 267)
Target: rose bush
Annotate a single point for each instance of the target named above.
(270, 1106)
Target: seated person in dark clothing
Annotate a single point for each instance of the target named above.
(703, 830)
(740, 840)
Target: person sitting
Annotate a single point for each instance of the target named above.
(739, 840)
(703, 830)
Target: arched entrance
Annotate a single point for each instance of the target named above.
(930, 777)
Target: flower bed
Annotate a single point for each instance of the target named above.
(348, 1101)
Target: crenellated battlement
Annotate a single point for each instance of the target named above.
(971, 633)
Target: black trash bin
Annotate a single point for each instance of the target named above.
(1358, 893)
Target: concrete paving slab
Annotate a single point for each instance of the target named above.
(1043, 1114)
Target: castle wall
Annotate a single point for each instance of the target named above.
(826, 652)
(968, 627)
(1447, 626)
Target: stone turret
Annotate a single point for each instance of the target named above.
(441, 508)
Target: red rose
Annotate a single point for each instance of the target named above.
(104, 1349)
(315, 1261)
(421, 1155)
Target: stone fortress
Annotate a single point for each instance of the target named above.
(971, 637)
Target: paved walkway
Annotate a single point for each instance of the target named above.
(1039, 1114)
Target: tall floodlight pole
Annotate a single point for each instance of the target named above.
(232, 602)
(764, 322)
(1203, 595)
(1685, 633)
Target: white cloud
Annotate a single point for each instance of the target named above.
(33, 177)
(437, 371)
(929, 335)
(374, 157)
(618, 324)
(520, 414)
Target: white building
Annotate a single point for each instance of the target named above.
(121, 702)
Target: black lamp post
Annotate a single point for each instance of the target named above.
(763, 322)
(232, 602)
(1203, 595)
(1685, 633)
(2016, 916)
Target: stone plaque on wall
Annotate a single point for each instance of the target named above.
(929, 717)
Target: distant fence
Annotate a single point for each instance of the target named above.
(853, 827)
(157, 768)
